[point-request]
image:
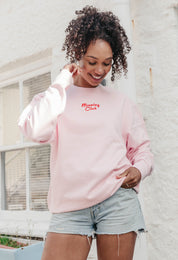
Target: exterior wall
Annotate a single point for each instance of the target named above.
(45, 31)
(155, 37)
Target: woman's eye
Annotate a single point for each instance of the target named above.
(92, 63)
(107, 64)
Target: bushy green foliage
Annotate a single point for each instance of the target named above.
(6, 241)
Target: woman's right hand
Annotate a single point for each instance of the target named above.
(73, 68)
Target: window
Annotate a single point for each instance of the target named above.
(10, 108)
(24, 165)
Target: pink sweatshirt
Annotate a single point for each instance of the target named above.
(95, 134)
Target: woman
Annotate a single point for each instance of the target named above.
(99, 145)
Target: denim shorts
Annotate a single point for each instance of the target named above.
(121, 213)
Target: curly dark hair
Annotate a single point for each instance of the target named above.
(91, 25)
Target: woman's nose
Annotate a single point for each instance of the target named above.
(99, 70)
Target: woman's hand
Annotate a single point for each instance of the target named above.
(73, 68)
(133, 177)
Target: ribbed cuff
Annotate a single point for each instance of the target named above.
(142, 168)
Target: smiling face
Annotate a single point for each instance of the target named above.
(95, 64)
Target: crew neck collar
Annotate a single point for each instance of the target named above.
(89, 88)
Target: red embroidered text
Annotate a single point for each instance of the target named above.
(89, 107)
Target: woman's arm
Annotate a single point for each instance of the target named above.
(39, 118)
(137, 145)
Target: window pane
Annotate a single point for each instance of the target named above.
(15, 180)
(9, 114)
(39, 177)
(33, 86)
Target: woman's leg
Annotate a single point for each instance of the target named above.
(116, 247)
(66, 247)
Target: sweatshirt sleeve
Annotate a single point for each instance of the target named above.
(138, 143)
(39, 118)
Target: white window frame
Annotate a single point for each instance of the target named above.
(32, 223)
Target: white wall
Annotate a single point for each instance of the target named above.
(28, 27)
(156, 46)
(33, 27)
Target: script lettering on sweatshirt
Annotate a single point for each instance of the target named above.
(88, 107)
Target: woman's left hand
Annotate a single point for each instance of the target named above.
(133, 177)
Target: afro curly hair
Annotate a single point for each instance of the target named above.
(91, 25)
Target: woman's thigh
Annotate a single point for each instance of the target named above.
(66, 246)
(116, 247)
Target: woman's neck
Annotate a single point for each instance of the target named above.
(80, 82)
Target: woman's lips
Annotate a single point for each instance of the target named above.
(97, 78)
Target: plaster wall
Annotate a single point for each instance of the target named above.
(29, 27)
(33, 28)
(155, 38)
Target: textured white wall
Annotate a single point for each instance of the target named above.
(156, 47)
(28, 26)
